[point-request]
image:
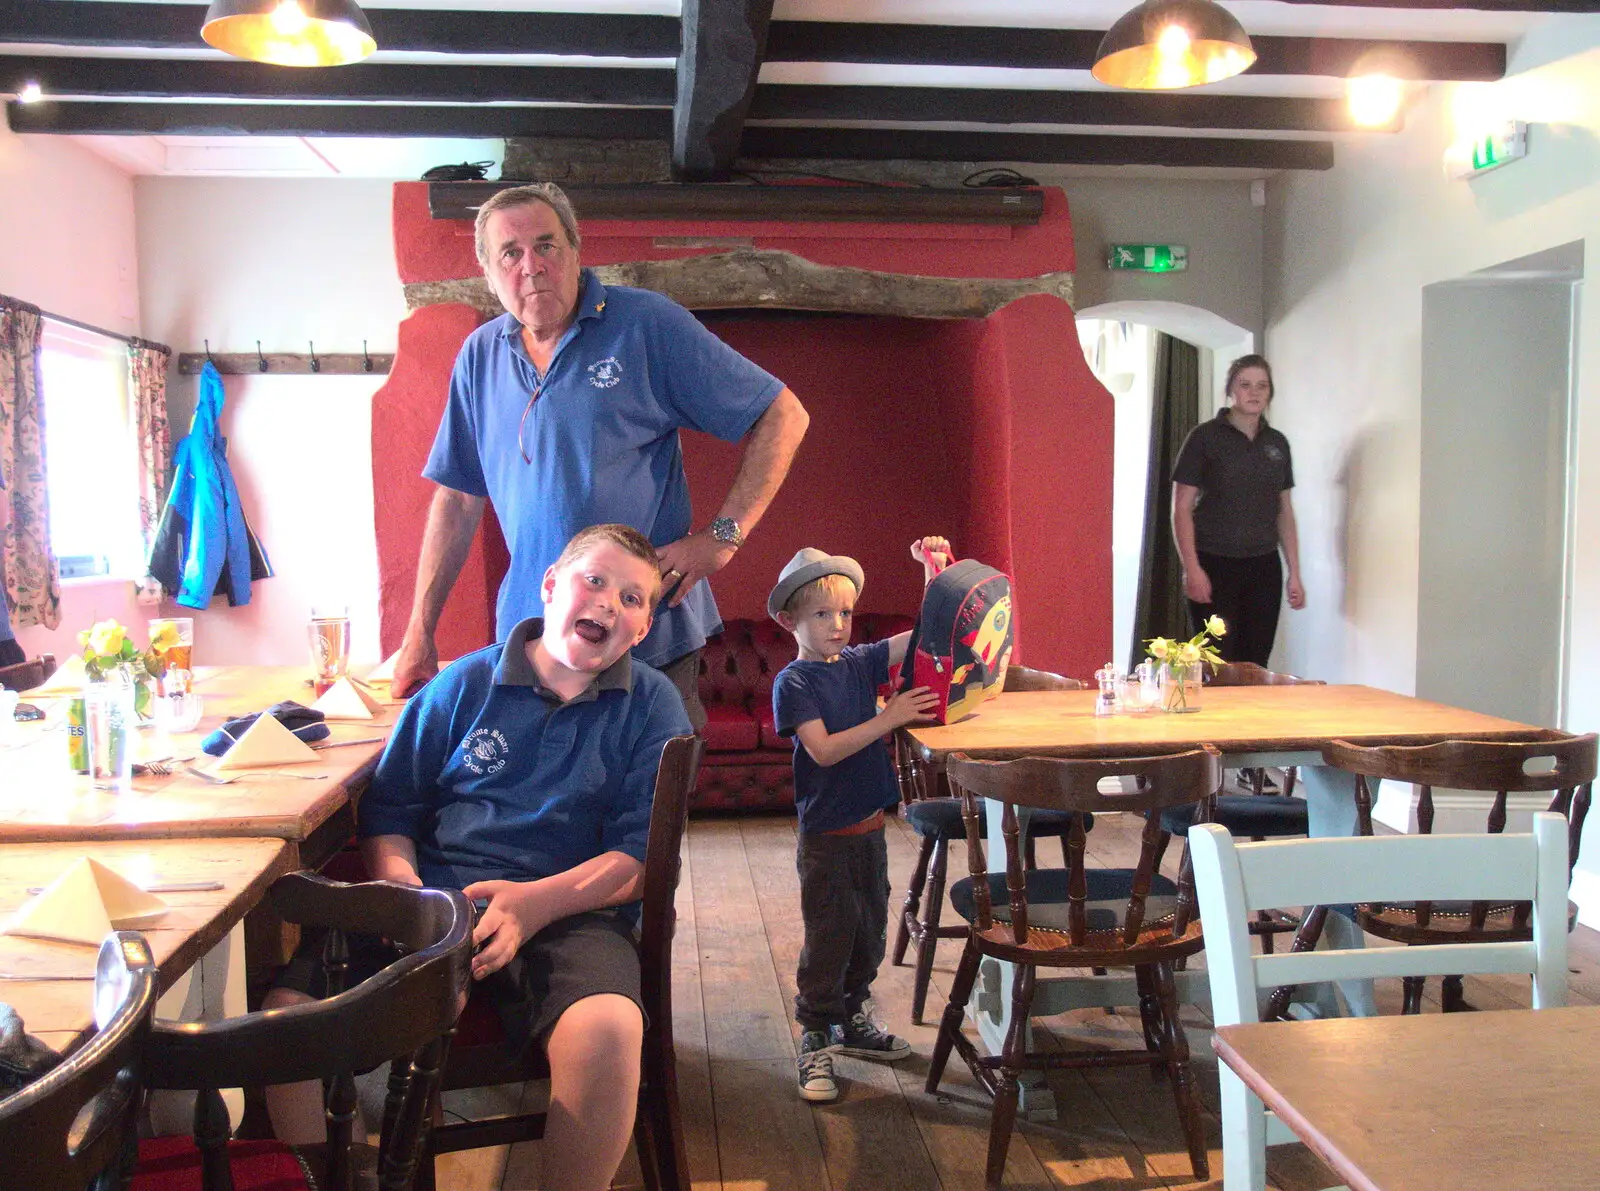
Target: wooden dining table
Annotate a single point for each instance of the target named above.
(1436, 1101)
(50, 984)
(1251, 726)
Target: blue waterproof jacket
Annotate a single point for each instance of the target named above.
(203, 546)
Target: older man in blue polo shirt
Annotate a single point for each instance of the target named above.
(564, 412)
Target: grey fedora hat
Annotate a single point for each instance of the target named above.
(807, 566)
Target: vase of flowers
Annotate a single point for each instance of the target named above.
(111, 657)
(1180, 665)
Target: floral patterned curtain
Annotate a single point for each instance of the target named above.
(147, 377)
(32, 585)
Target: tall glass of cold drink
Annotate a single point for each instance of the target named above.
(330, 644)
(173, 638)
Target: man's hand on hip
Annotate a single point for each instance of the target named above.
(414, 665)
(689, 560)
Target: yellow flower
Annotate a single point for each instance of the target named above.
(165, 638)
(1216, 627)
(1188, 653)
(106, 638)
(1158, 648)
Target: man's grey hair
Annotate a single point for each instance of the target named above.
(547, 193)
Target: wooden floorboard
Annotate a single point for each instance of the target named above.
(739, 937)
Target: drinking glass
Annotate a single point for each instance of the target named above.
(329, 633)
(179, 677)
(108, 710)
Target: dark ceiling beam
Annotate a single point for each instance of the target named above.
(177, 26)
(198, 119)
(1074, 49)
(724, 42)
(877, 144)
(782, 101)
(155, 78)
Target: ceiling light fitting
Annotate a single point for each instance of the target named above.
(1166, 44)
(290, 32)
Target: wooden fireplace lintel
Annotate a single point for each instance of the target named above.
(755, 278)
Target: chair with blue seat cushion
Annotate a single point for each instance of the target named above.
(1076, 917)
(936, 818)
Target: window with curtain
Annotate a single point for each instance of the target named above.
(92, 452)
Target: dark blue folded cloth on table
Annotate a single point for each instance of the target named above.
(305, 722)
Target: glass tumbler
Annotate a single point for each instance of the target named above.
(329, 633)
(179, 677)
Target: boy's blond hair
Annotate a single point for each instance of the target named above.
(624, 537)
(827, 585)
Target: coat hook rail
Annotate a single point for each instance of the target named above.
(313, 363)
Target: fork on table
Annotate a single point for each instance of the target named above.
(228, 781)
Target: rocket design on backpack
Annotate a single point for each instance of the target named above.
(961, 644)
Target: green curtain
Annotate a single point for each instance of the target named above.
(1160, 610)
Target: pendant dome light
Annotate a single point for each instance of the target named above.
(290, 32)
(1164, 44)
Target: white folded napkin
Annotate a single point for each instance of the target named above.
(344, 700)
(83, 905)
(67, 680)
(384, 670)
(266, 742)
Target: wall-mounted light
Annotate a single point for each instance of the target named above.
(1164, 44)
(31, 92)
(1374, 99)
(290, 32)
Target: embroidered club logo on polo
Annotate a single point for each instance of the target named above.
(485, 751)
(1271, 451)
(606, 373)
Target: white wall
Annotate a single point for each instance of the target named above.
(1348, 253)
(67, 245)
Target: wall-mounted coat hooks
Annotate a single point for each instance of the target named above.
(286, 363)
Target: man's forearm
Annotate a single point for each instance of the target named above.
(452, 520)
(769, 449)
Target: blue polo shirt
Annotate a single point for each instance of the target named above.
(495, 778)
(841, 694)
(601, 440)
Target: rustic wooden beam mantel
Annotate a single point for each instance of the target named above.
(753, 278)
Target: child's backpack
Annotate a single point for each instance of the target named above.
(961, 644)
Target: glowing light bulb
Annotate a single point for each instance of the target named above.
(289, 19)
(1374, 99)
(1173, 42)
(31, 92)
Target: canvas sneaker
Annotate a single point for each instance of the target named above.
(815, 1067)
(863, 1038)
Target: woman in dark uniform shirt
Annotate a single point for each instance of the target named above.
(1231, 516)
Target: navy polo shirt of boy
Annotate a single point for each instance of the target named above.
(841, 694)
(495, 778)
(601, 440)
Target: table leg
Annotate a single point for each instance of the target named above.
(1330, 796)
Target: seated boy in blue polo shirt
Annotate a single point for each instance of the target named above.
(523, 775)
(843, 780)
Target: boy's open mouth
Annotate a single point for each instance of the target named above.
(591, 631)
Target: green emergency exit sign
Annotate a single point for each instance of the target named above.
(1148, 258)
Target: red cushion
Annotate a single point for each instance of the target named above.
(173, 1164)
(479, 1024)
(730, 728)
(769, 733)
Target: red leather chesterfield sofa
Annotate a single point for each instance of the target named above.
(747, 765)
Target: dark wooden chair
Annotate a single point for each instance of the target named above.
(405, 1013)
(480, 1057)
(1077, 917)
(1561, 764)
(936, 818)
(24, 676)
(73, 1127)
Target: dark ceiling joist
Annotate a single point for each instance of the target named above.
(1074, 49)
(875, 144)
(198, 119)
(779, 101)
(177, 26)
(128, 78)
(724, 42)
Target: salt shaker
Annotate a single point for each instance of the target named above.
(1109, 700)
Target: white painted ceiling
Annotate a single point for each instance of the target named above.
(373, 157)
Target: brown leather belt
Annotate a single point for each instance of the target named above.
(871, 823)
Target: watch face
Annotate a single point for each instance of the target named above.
(726, 529)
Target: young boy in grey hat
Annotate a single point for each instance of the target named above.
(843, 780)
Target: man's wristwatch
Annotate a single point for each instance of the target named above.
(726, 529)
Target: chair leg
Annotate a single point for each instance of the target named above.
(950, 1023)
(1013, 1056)
(928, 942)
(1411, 1002)
(1453, 996)
(1177, 1048)
(908, 909)
(1289, 776)
(1264, 917)
(658, 1125)
(1150, 1018)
